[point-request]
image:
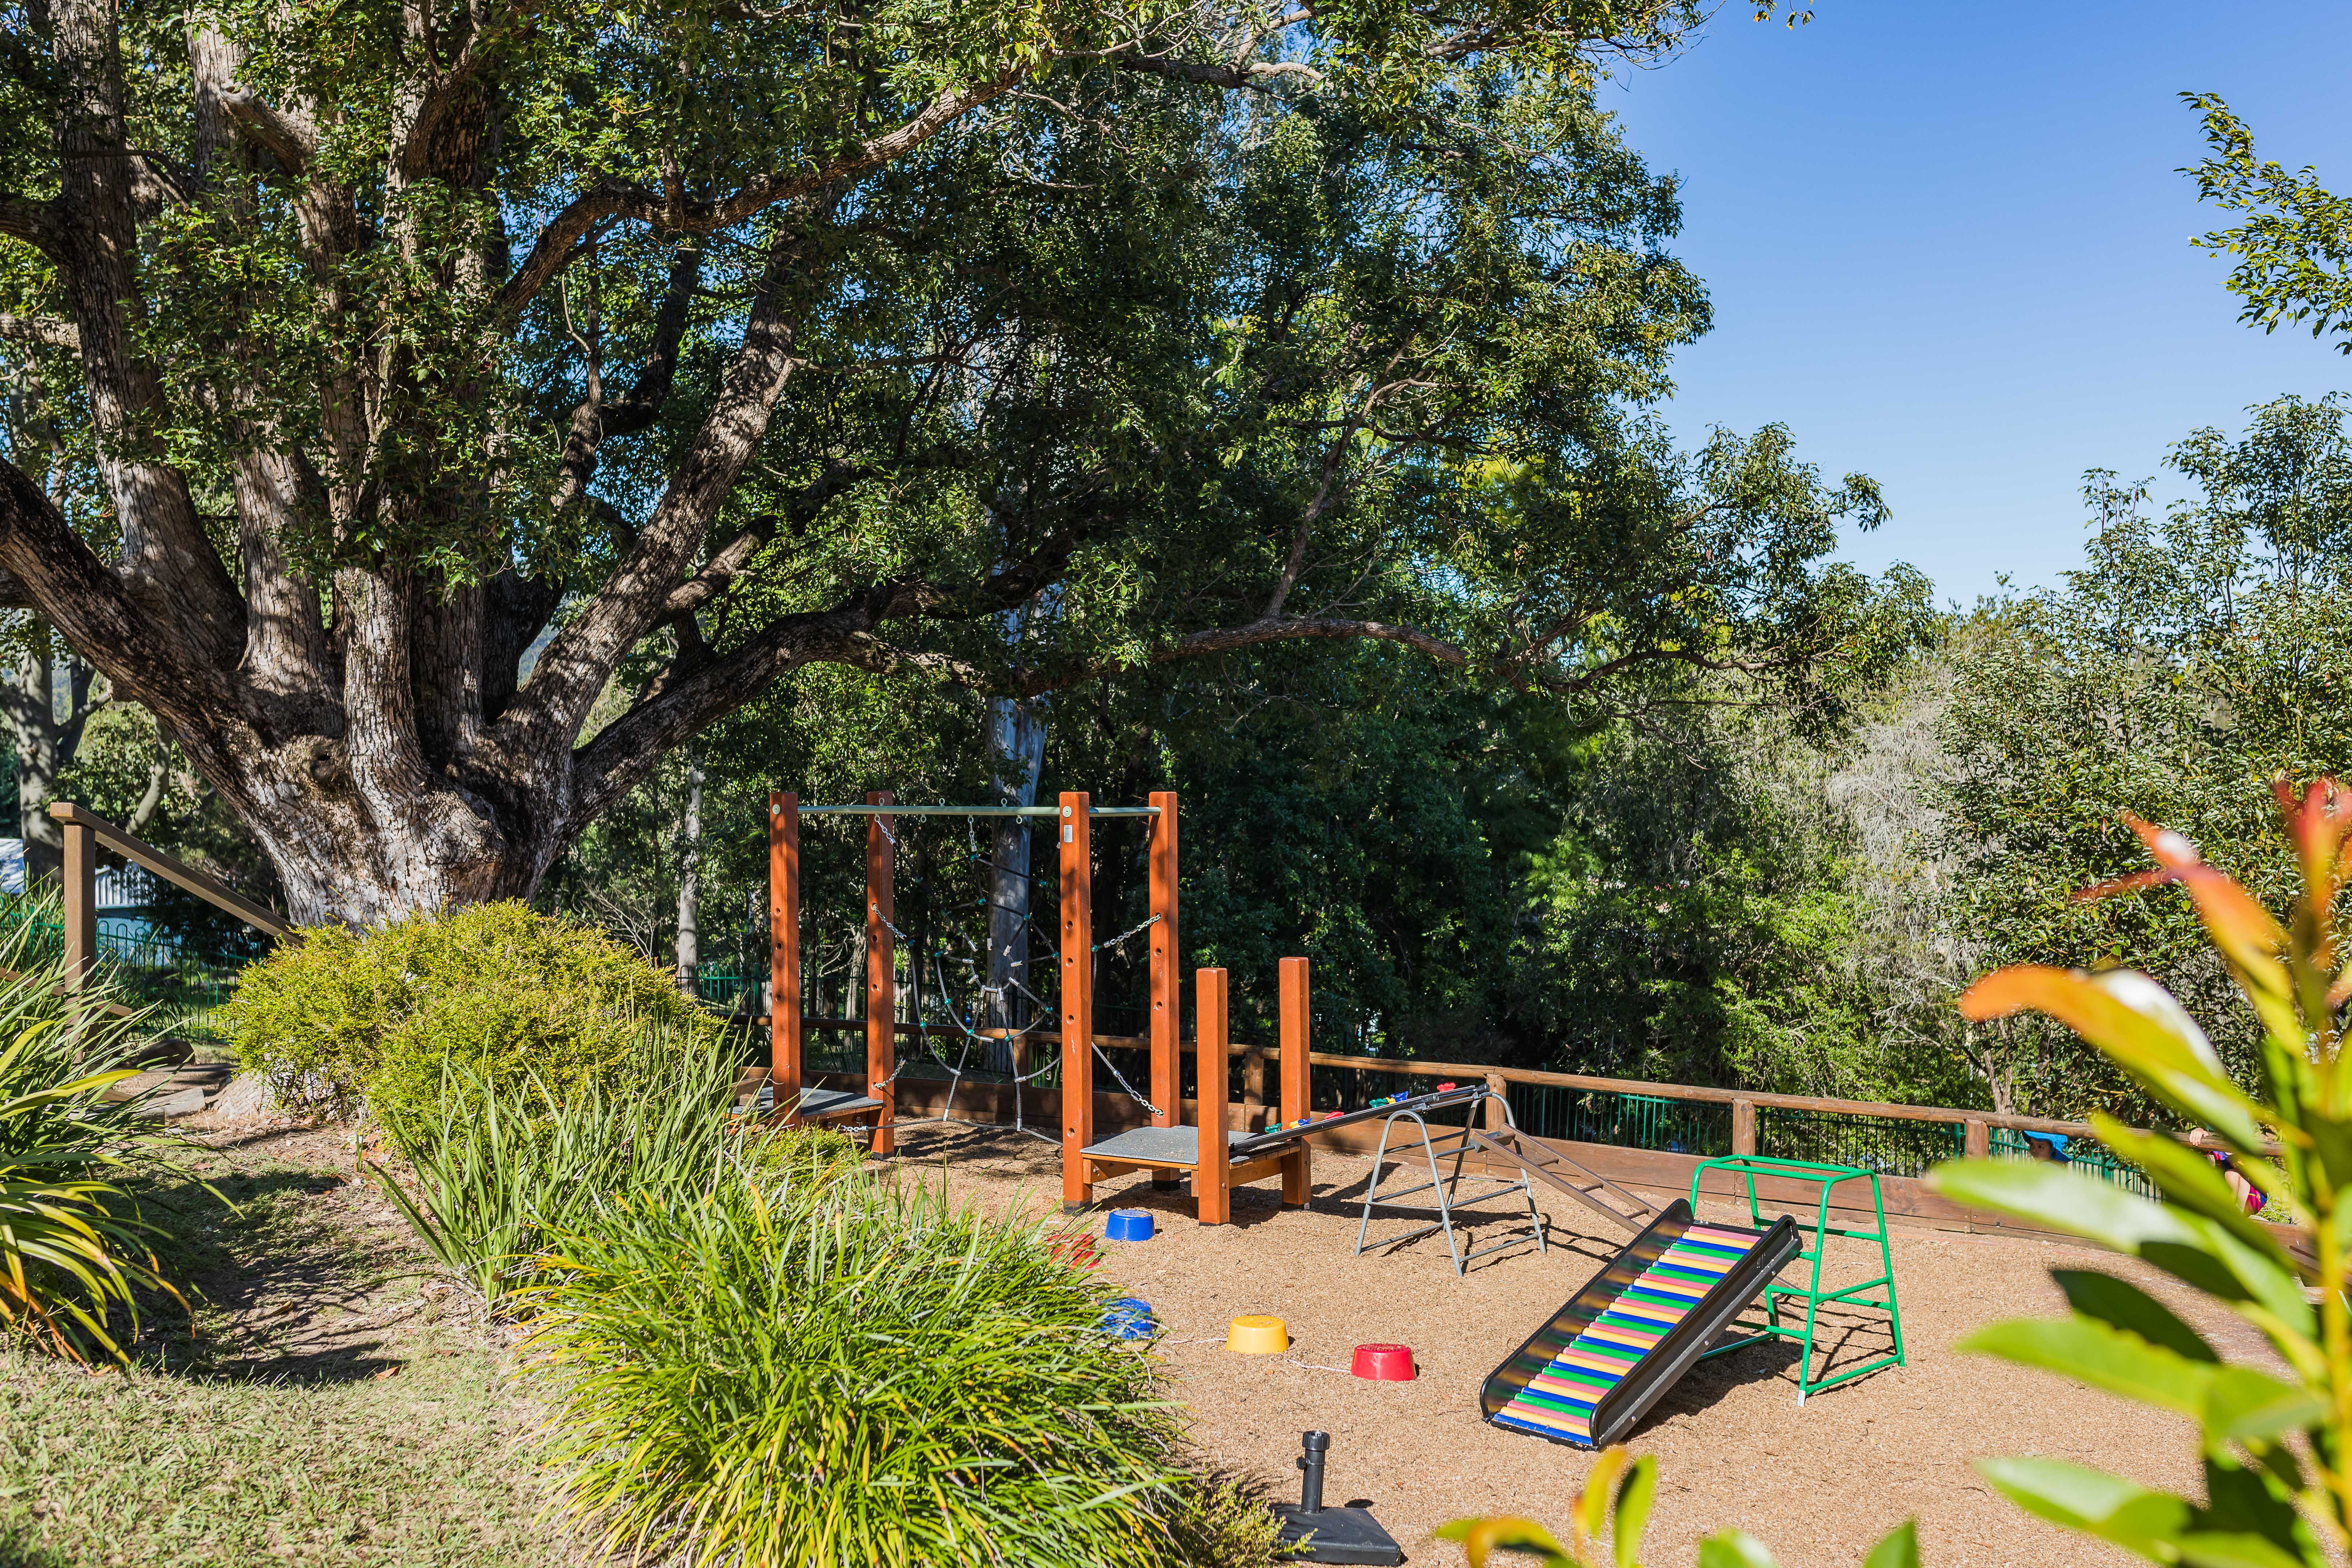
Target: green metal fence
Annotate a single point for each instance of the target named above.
(1889, 1146)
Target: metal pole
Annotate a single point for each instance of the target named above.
(1077, 996)
(881, 976)
(785, 1047)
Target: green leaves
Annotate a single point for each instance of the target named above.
(2136, 1024)
(2257, 1491)
(2202, 1252)
(2092, 1503)
(1624, 1486)
(2231, 1404)
(1899, 1548)
(74, 1252)
(2248, 1524)
(2293, 235)
(2123, 1305)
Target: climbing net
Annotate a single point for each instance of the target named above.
(973, 1008)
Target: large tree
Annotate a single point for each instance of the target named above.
(486, 399)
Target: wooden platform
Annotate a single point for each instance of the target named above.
(1166, 1149)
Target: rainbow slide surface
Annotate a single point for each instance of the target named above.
(1612, 1350)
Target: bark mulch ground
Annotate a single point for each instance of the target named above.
(1819, 1483)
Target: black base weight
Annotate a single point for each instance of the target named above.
(1336, 1535)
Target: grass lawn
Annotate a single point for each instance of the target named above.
(333, 1405)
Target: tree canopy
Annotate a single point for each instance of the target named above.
(392, 386)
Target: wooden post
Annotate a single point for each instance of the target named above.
(1979, 1139)
(1078, 997)
(1501, 1092)
(1167, 1028)
(1253, 1088)
(1167, 985)
(1212, 1176)
(1298, 1166)
(81, 901)
(881, 973)
(785, 1047)
(1743, 1127)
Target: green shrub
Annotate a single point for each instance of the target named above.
(341, 1018)
(845, 1371)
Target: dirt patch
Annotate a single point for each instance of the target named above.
(1819, 1483)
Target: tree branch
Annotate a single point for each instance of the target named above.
(45, 329)
(575, 666)
(38, 224)
(69, 584)
(624, 752)
(414, 152)
(1299, 628)
(1254, 75)
(638, 407)
(730, 560)
(566, 233)
(290, 138)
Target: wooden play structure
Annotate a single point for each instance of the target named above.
(1169, 1149)
(1165, 1147)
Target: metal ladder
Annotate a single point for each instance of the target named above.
(1456, 1141)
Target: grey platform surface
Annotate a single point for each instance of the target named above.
(1171, 1145)
(834, 1102)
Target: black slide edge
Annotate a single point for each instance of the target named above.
(1581, 1308)
(1618, 1409)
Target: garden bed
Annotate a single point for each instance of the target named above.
(1819, 1484)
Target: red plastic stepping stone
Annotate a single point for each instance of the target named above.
(1384, 1363)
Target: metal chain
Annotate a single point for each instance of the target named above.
(1125, 935)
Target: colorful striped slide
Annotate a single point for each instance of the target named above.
(1607, 1356)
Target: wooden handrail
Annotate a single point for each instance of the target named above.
(131, 847)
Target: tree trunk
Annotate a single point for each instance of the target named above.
(690, 878)
(1017, 755)
(46, 742)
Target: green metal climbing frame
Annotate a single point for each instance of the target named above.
(1818, 1230)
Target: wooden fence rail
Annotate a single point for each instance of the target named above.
(1977, 1125)
(84, 832)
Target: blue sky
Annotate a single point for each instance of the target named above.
(1948, 247)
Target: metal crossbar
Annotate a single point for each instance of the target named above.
(971, 811)
(1454, 1140)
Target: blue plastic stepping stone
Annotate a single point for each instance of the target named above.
(1127, 1225)
(1129, 1318)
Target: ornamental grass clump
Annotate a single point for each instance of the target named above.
(74, 1252)
(342, 1018)
(845, 1370)
(502, 1167)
